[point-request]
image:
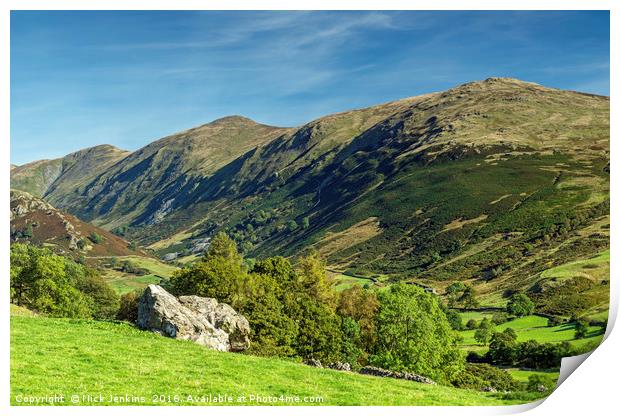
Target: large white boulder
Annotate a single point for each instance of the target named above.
(204, 321)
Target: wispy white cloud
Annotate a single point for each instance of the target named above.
(152, 73)
(343, 28)
(300, 28)
(282, 53)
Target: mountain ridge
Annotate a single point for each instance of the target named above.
(485, 182)
(39, 176)
(237, 117)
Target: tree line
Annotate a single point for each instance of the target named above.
(294, 311)
(57, 286)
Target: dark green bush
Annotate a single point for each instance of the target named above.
(95, 238)
(128, 308)
(581, 329)
(520, 305)
(539, 383)
(471, 324)
(456, 322)
(404, 342)
(499, 318)
(479, 376)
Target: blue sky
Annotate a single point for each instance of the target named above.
(79, 79)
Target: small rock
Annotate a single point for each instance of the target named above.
(382, 372)
(170, 256)
(376, 371)
(73, 242)
(418, 378)
(540, 388)
(340, 366)
(314, 363)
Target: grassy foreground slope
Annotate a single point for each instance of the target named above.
(63, 356)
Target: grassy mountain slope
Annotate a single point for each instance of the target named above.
(135, 189)
(62, 176)
(492, 182)
(63, 356)
(35, 177)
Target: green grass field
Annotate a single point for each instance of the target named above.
(343, 281)
(153, 265)
(69, 357)
(532, 327)
(522, 376)
(596, 267)
(475, 315)
(127, 282)
(602, 315)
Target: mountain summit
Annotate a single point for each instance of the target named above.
(233, 120)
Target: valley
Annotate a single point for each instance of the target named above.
(490, 198)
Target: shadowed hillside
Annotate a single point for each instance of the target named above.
(116, 194)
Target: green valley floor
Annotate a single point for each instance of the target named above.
(532, 327)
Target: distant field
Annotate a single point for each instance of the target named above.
(153, 265)
(596, 268)
(69, 357)
(475, 315)
(531, 328)
(345, 279)
(167, 242)
(602, 315)
(523, 375)
(127, 282)
(188, 259)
